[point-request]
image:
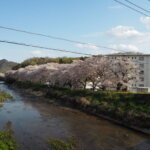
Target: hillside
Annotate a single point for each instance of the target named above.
(6, 65)
(45, 60)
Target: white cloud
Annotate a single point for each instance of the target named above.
(124, 32)
(89, 46)
(125, 38)
(146, 21)
(128, 35)
(125, 47)
(37, 53)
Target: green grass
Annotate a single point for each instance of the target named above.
(130, 108)
(4, 96)
(57, 144)
(126, 101)
(7, 141)
(70, 144)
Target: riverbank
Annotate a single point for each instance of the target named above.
(4, 96)
(129, 109)
(7, 141)
(35, 123)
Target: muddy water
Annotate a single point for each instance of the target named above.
(34, 122)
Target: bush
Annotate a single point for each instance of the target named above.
(4, 96)
(7, 141)
(45, 60)
(70, 144)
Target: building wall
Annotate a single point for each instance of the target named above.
(144, 62)
(147, 71)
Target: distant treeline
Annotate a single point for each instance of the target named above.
(45, 60)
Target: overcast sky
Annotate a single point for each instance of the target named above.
(102, 22)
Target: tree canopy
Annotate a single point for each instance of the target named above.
(45, 60)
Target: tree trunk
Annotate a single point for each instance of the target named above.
(103, 88)
(119, 85)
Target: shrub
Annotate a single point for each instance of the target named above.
(70, 144)
(4, 96)
(7, 141)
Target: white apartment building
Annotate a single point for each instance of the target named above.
(144, 62)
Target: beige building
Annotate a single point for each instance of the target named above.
(144, 62)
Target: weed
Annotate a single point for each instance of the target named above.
(7, 141)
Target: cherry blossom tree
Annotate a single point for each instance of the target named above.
(101, 75)
(126, 71)
(98, 72)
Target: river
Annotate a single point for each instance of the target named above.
(34, 122)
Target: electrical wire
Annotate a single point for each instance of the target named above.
(41, 47)
(59, 38)
(131, 8)
(62, 50)
(137, 6)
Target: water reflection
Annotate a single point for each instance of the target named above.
(141, 146)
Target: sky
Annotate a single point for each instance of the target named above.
(101, 22)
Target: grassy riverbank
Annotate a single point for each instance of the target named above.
(69, 144)
(4, 96)
(129, 108)
(7, 141)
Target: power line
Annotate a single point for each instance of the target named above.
(131, 8)
(138, 6)
(60, 38)
(41, 47)
(55, 49)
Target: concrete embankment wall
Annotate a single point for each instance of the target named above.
(2, 76)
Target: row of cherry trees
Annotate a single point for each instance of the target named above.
(95, 73)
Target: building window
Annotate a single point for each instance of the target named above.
(142, 79)
(141, 85)
(141, 72)
(142, 65)
(133, 85)
(141, 58)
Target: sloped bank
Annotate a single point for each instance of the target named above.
(128, 109)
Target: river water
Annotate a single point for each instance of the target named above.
(35, 121)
